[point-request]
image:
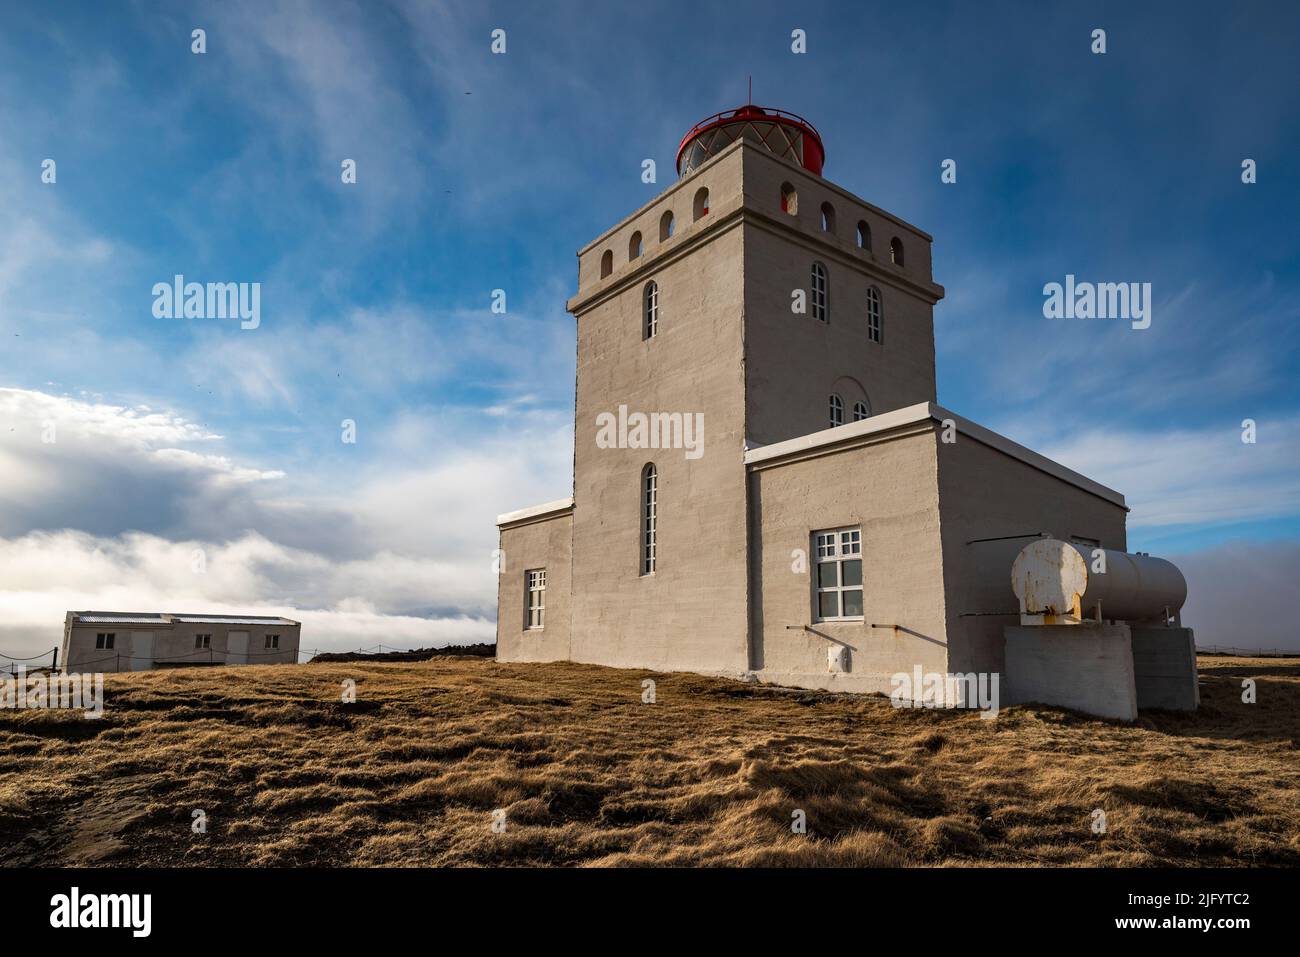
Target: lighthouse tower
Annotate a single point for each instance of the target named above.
(752, 296)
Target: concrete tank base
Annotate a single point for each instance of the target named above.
(1086, 667)
(1164, 668)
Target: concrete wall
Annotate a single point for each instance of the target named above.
(1164, 667)
(794, 362)
(171, 645)
(890, 489)
(691, 613)
(1087, 668)
(985, 493)
(546, 543)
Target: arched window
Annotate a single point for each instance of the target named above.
(828, 218)
(789, 200)
(606, 263)
(635, 246)
(864, 235)
(896, 251)
(837, 410)
(650, 310)
(861, 410)
(666, 225)
(820, 293)
(875, 314)
(701, 207)
(649, 517)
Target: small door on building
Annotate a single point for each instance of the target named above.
(237, 648)
(141, 652)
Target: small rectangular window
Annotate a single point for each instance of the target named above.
(535, 598)
(272, 641)
(837, 578)
(105, 639)
(202, 641)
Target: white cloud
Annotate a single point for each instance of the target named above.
(343, 604)
(1204, 476)
(1239, 594)
(112, 514)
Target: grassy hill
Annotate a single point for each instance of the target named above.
(288, 774)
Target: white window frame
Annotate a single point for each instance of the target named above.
(203, 640)
(535, 599)
(875, 315)
(836, 410)
(105, 640)
(650, 310)
(649, 519)
(819, 292)
(836, 546)
(861, 410)
(272, 643)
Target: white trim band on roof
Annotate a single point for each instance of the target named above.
(227, 620)
(121, 619)
(536, 511)
(168, 618)
(827, 440)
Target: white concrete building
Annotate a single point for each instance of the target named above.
(798, 508)
(142, 641)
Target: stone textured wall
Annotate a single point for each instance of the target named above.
(535, 544)
(691, 613)
(888, 488)
(793, 362)
(984, 493)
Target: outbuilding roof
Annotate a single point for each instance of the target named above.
(166, 618)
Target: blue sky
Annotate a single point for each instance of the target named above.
(479, 171)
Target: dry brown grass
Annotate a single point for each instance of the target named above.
(710, 774)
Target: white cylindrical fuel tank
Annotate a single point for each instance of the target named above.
(1053, 578)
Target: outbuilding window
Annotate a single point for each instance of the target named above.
(535, 603)
(202, 641)
(105, 639)
(272, 641)
(838, 575)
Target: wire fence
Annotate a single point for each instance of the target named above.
(1248, 652)
(197, 656)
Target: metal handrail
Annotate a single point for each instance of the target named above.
(769, 112)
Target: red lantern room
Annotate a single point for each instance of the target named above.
(785, 134)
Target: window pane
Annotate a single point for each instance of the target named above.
(852, 572)
(852, 603)
(826, 575)
(828, 604)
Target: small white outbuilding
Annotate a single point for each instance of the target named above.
(142, 641)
